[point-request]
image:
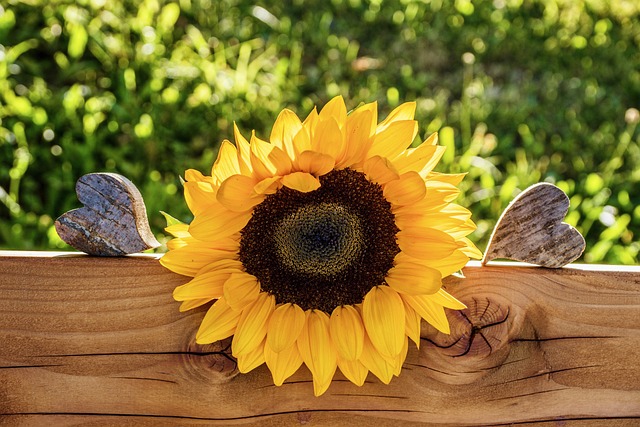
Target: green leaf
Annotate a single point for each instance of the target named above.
(77, 41)
(170, 220)
(593, 183)
(169, 16)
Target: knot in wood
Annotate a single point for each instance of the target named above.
(212, 363)
(479, 340)
(480, 329)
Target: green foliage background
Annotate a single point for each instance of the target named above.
(521, 91)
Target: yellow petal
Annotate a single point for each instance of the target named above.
(336, 109)
(353, 370)
(400, 358)
(412, 324)
(320, 387)
(227, 162)
(311, 120)
(358, 134)
(178, 230)
(244, 151)
(199, 196)
(283, 364)
(188, 260)
(259, 156)
(209, 284)
(317, 350)
(180, 242)
(432, 139)
(193, 303)
(174, 244)
(347, 332)
(267, 160)
(429, 311)
(421, 159)
(426, 243)
(453, 179)
(459, 232)
(373, 361)
(414, 279)
(450, 264)
(236, 193)
(438, 195)
(328, 138)
(302, 141)
(380, 170)
(384, 318)
(231, 243)
(317, 164)
(404, 111)
(249, 361)
(268, 185)
(194, 175)
(446, 266)
(252, 325)
(241, 290)
(443, 191)
(470, 249)
(285, 326)
(218, 224)
(426, 168)
(407, 190)
(371, 107)
(280, 161)
(301, 181)
(219, 323)
(286, 126)
(450, 217)
(394, 139)
(445, 299)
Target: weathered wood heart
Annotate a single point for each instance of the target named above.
(113, 221)
(531, 230)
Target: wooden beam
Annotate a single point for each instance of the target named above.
(100, 340)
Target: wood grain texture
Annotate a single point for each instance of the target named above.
(100, 341)
(113, 221)
(531, 230)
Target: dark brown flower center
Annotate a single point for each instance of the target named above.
(324, 248)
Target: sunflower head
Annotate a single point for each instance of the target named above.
(325, 245)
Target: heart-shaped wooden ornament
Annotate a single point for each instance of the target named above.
(113, 221)
(531, 230)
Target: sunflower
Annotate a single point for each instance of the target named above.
(325, 245)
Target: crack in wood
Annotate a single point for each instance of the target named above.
(146, 379)
(560, 419)
(534, 393)
(239, 418)
(550, 372)
(585, 337)
(29, 366)
(141, 353)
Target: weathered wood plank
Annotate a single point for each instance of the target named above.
(101, 341)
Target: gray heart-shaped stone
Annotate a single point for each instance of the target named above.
(113, 221)
(531, 230)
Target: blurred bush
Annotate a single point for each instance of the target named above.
(521, 91)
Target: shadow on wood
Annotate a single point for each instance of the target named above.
(101, 341)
